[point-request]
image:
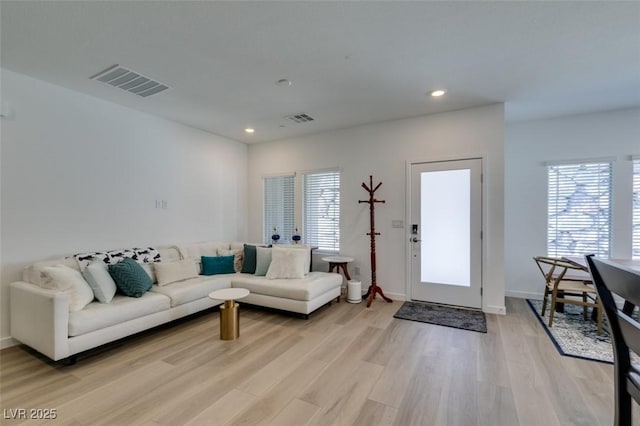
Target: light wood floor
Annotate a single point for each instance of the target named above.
(346, 365)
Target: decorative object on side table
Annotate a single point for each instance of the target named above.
(296, 237)
(373, 288)
(275, 237)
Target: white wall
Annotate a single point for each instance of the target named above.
(79, 173)
(528, 145)
(382, 150)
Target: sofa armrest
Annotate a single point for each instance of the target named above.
(40, 319)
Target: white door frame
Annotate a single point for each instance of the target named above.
(407, 247)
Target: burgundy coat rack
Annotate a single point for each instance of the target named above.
(373, 288)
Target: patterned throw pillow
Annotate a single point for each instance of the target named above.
(140, 255)
(146, 255)
(214, 265)
(84, 259)
(130, 278)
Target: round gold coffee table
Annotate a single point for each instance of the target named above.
(230, 311)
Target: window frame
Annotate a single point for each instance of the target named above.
(315, 240)
(635, 207)
(285, 226)
(602, 246)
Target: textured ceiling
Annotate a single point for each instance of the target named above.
(350, 62)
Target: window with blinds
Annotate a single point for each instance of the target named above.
(321, 210)
(278, 208)
(579, 209)
(636, 209)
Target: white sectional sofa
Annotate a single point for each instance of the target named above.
(41, 318)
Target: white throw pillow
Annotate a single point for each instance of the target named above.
(34, 273)
(97, 275)
(70, 281)
(148, 268)
(287, 263)
(171, 272)
(237, 260)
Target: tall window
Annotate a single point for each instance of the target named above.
(278, 207)
(321, 210)
(636, 208)
(579, 209)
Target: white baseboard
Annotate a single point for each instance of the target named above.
(7, 342)
(523, 294)
(396, 296)
(495, 309)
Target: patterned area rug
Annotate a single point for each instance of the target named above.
(573, 336)
(447, 316)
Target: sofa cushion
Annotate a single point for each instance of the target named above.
(130, 278)
(263, 261)
(193, 289)
(97, 275)
(307, 288)
(96, 316)
(287, 263)
(171, 272)
(70, 281)
(217, 265)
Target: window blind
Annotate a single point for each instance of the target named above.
(321, 210)
(636, 209)
(278, 208)
(579, 209)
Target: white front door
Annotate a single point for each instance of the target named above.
(446, 232)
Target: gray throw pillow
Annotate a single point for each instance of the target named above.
(263, 261)
(97, 275)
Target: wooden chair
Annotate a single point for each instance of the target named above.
(564, 281)
(625, 331)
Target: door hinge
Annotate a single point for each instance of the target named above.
(481, 177)
(480, 291)
(480, 234)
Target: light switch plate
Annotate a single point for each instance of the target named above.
(397, 224)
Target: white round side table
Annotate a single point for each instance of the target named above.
(339, 262)
(230, 311)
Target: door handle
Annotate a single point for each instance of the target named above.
(414, 239)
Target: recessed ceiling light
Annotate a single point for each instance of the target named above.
(437, 93)
(249, 130)
(283, 82)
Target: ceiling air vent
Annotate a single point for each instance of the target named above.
(300, 118)
(130, 81)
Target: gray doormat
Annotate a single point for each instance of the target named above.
(465, 319)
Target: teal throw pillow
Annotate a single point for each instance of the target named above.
(214, 265)
(263, 261)
(249, 261)
(130, 277)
